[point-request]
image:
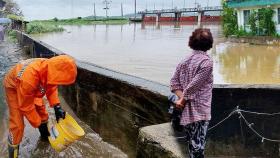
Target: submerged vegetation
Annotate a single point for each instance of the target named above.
(56, 25)
(82, 21)
(33, 28)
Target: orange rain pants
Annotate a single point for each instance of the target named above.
(27, 83)
(16, 119)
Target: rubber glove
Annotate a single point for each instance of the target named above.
(59, 112)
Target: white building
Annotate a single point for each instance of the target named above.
(244, 7)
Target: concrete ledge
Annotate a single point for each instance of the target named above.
(258, 40)
(159, 141)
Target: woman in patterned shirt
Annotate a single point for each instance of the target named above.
(192, 82)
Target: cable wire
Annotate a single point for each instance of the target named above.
(216, 125)
(260, 113)
(233, 112)
(241, 116)
(257, 133)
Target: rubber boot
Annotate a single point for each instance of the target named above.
(13, 150)
(43, 129)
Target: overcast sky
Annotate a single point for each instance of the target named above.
(47, 9)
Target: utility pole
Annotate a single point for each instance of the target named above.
(172, 4)
(106, 2)
(134, 9)
(154, 6)
(184, 3)
(121, 9)
(94, 11)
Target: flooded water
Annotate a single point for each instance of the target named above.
(91, 145)
(152, 51)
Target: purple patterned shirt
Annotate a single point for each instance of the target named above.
(194, 77)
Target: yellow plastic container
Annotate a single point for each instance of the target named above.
(65, 132)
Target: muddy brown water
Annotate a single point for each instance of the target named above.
(152, 51)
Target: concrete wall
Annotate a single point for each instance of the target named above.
(116, 105)
(258, 40)
(232, 137)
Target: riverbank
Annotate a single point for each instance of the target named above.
(256, 40)
(56, 25)
(82, 21)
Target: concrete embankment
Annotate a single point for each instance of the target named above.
(117, 105)
(258, 40)
(91, 145)
(231, 138)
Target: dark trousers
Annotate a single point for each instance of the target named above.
(196, 135)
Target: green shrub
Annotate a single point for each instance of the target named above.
(55, 19)
(266, 23)
(15, 17)
(12, 35)
(253, 18)
(33, 28)
(229, 17)
(241, 33)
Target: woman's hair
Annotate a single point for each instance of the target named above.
(201, 39)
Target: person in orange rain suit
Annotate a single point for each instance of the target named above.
(25, 86)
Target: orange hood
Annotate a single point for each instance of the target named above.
(62, 70)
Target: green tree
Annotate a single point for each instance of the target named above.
(229, 22)
(12, 7)
(253, 19)
(266, 23)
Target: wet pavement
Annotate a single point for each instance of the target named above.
(91, 145)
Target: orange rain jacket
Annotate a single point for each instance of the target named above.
(28, 81)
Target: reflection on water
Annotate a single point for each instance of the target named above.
(244, 63)
(152, 51)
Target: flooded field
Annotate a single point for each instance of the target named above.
(152, 51)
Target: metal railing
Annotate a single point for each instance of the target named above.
(183, 10)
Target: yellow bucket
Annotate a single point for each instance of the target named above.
(65, 132)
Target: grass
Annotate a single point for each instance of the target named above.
(55, 25)
(38, 27)
(12, 35)
(82, 21)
